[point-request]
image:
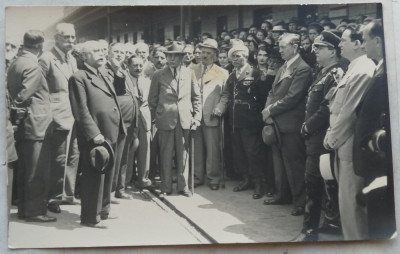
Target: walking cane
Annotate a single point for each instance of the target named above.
(221, 147)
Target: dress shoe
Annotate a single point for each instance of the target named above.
(185, 193)
(107, 217)
(114, 201)
(275, 202)
(214, 186)
(99, 225)
(122, 195)
(243, 185)
(54, 207)
(308, 236)
(299, 210)
(258, 191)
(40, 218)
(330, 227)
(162, 195)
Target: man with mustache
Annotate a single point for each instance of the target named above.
(97, 118)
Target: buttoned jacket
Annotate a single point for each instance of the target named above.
(211, 84)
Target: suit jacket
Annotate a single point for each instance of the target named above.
(141, 92)
(346, 97)
(28, 88)
(211, 85)
(242, 98)
(57, 73)
(373, 115)
(287, 96)
(172, 101)
(94, 107)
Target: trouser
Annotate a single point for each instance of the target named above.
(207, 150)
(71, 169)
(119, 160)
(33, 176)
(289, 167)
(353, 216)
(248, 153)
(174, 140)
(154, 152)
(95, 190)
(143, 154)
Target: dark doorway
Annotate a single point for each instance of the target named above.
(260, 15)
(222, 24)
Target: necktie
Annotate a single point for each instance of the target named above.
(174, 73)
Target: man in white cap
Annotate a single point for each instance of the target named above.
(175, 105)
(241, 97)
(211, 80)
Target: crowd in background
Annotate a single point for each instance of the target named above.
(259, 105)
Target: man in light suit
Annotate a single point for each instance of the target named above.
(28, 90)
(211, 80)
(141, 87)
(58, 65)
(175, 105)
(97, 118)
(286, 106)
(340, 134)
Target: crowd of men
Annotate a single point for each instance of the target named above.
(261, 105)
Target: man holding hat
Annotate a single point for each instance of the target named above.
(211, 80)
(97, 120)
(326, 48)
(175, 106)
(286, 106)
(241, 97)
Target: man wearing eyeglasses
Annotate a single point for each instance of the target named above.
(327, 52)
(340, 135)
(58, 65)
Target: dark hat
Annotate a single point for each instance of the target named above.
(176, 47)
(101, 157)
(316, 26)
(327, 38)
(209, 43)
(270, 134)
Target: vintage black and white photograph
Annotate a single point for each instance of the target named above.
(149, 125)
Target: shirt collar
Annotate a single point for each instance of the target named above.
(379, 64)
(91, 68)
(172, 69)
(30, 54)
(239, 71)
(62, 54)
(292, 60)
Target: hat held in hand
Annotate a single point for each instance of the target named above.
(101, 157)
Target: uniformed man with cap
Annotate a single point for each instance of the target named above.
(211, 80)
(241, 98)
(314, 128)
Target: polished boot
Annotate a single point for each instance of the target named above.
(258, 190)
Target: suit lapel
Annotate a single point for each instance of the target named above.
(244, 73)
(97, 82)
(169, 78)
(58, 63)
(108, 76)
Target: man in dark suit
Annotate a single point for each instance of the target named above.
(97, 118)
(175, 105)
(241, 97)
(372, 155)
(28, 89)
(286, 106)
(58, 65)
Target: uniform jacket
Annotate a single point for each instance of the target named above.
(172, 100)
(94, 106)
(288, 94)
(317, 108)
(57, 73)
(141, 91)
(28, 88)
(211, 85)
(241, 97)
(373, 115)
(345, 99)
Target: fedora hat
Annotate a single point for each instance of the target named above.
(176, 47)
(101, 157)
(270, 133)
(209, 43)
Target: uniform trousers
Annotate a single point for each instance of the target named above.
(248, 153)
(176, 140)
(143, 154)
(353, 216)
(207, 150)
(289, 161)
(33, 176)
